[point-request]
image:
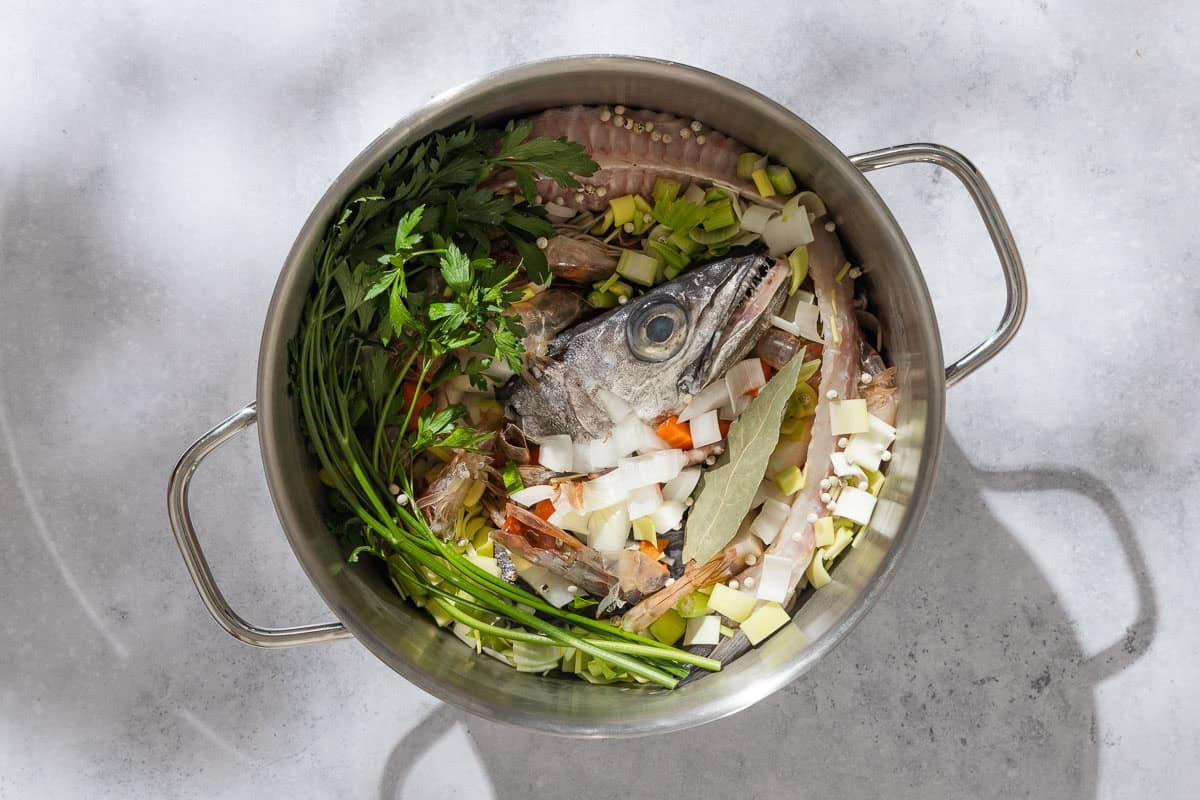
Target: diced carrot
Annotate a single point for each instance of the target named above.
(662, 543)
(753, 392)
(534, 452)
(767, 370)
(675, 433)
(544, 509)
(723, 426)
(648, 549)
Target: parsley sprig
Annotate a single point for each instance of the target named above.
(406, 295)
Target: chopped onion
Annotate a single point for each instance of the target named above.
(733, 410)
(866, 449)
(644, 501)
(569, 519)
(705, 429)
(604, 491)
(556, 452)
(768, 522)
(604, 453)
(744, 377)
(547, 584)
(608, 528)
(767, 489)
(668, 516)
(649, 468)
(532, 495)
(581, 457)
(844, 469)
(855, 505)
(712, 396)
(774, 579)
(617, 408)
(682, 485)
(702, 630)
(756, 217)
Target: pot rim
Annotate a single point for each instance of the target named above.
(295, 270)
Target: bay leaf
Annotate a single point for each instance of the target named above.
(726, 491)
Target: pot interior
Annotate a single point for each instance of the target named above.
(403, 636)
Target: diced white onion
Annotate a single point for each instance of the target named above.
(706, 429)
(744, 377)
(581, 457)
(532, 495)
(844, 469)
(604, 491)
(649, 468)
(682, 485)
(774, 578)
(712, 396)
(548, 585)
(770, 519)
(668, 516)
(616, 408)
(569, 519)
(866, 449)
(702, 630)
(732, 412)
(605, 453)
(608, 528)
(644, 501)
(785, 325)
(556, 452)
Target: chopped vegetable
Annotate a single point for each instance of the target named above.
(557, 452)
(848, 416)
(789, 230)
(765, 621)
(713, 396)
(855, 505)
(733, 603)
(668, 516)
(675, 433)
(705, 429)
(648, 468)
(781, 178)
(702, 630)
(533, 495)
(743, 378)
(823, 528)
(623, 209)
(763, 183)
(643, 529)
(816, 573)
(637, 267)
(756, 217)
(544, 509)
(798, 262)
(775, 578)
(790, 480)
(866, 449)
(668, 628)
(747, 163)
(720, 214)
(608, 528)
(770, 520)
(682, 485)
(694, 604)
(642, 503)
(843, 538)
(665, 190)
(512, 479)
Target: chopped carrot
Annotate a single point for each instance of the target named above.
(544, 509)
(723, 426)
(768, 371)
(753, 392)
(648, 549)
(534, 452)
(662, 544)
(675, 433)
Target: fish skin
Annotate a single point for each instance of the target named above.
(596, 355)
(630, 159)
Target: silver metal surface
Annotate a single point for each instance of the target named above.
(403, 636)
(997, 227)
(197, 564)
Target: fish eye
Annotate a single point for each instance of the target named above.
(657, 331)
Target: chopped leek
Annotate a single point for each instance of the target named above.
(637, 267)
(643, 529)
(684, 243)
(842, 272)
(798, 261)
(602, 300)
(702, 630)
(823, 528)
(781, 178)
(692, 605)
(732, 603)
(765, 621)
(623, 209)
(720, 214)
(707, 237)
(816, 573)
(668, 628)
(763, 183)
(671, 257)
(747, 163)
(605, 222)
(848, 416)
(842, 538)
(791, 480)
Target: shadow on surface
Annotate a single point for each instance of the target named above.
(966, 679)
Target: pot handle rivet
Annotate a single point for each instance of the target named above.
(993, 219)
(197, 564)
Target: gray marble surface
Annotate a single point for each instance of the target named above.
(1039, 638)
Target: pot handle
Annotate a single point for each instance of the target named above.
(197, 564)
(993, 219)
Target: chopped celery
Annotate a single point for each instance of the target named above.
(668, 255)
(684, 243)
(717, 236)
(765, 621)
(713, 194)
(602, 300)
(512, 478)
(746, 164)
(781, 178)
(848, 416)
(643, 529)
(763, 183)
(720, 215)
(637, 267)
(488, 548)
(670, 273)
(841, 539)
(692, 605)
(621, 289)
(874, 480)
(790, 480)
(641, 205)
(659, 233)
(798, 261)
(733, 603)
(668, 628)
(665, 190)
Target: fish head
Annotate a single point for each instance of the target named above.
(654, 351)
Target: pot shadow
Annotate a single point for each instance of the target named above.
(966, 679)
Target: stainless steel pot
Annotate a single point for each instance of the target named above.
(402, 636)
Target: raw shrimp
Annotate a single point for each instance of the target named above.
(446, 493)
(880, 391)
(580, 258)
(545, 315)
